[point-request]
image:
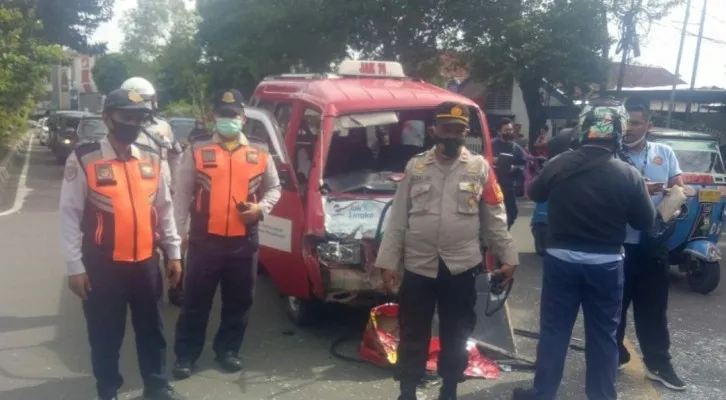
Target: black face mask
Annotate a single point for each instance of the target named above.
(125, 133)
(451, 146)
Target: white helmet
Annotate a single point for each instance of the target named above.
(142, 87)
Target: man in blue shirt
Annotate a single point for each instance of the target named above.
(647, 269)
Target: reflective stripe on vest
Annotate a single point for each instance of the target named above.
(120, 217)
(223, 179)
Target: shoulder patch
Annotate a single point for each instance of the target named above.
(492, 193)
(71, 172)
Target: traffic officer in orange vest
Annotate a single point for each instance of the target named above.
(112, 203)
(219, 183)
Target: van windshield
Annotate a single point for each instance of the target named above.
(368, 158)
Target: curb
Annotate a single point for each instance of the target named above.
(11, 159)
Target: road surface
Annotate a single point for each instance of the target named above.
(44, 351)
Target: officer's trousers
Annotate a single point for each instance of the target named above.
(510, 205)
(236, 276)
(419, 296)
(646, 286)
(116, 286)
(566, 286)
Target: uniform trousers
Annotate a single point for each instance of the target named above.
(566, 286)
(510, 204)
(236, 276)
(419, 296)
(646, 287)
(116, 286)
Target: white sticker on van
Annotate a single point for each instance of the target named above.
(276, 233)
(354, 219)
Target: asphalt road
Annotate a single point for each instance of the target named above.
(44, 351)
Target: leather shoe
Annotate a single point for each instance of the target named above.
(182, 370)
(229, 362)
(166, 393)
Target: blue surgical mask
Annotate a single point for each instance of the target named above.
(228, 127)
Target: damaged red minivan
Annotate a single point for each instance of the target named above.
(341, 142)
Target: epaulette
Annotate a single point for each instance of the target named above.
(147, 148)
(420, 154)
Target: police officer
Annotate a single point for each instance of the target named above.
(447, 203)
(646, 266)
(505, 143)
(108, 226)
(219, 184)
(157, 136)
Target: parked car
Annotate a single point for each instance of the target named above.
(182, 127)
(64, 131)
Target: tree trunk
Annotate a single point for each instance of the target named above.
(536, 111)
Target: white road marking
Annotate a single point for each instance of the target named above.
(23, 189)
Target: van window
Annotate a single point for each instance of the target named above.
(267, 105)
(283, 111)
(256, 129)
(305, 141)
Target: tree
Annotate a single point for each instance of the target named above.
(536, 42)
(110, 71)
(148, 27)
(68, 23)
(24, 67)
(246, 40)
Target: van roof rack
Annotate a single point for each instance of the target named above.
(301, 76)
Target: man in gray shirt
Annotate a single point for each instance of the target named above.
(448, 204)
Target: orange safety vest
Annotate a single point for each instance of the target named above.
(120, 218)
(224, 178)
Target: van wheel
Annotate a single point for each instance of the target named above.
(303, 312)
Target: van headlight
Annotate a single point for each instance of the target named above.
(66, 141)
(341, 253)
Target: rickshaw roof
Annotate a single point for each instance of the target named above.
(343, 95)
(665, 133)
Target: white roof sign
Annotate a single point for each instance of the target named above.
(383, 69)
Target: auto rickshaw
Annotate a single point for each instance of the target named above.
(693, 243)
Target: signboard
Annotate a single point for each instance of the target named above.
(354, 219)
(384, 69)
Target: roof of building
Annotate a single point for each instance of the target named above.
(640, 76)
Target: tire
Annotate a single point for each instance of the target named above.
(703, 276)
(539, 233)
(303, 313)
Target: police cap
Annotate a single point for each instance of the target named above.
(229, 101)
(128, 100)
(454, 113)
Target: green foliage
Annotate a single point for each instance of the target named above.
(24, 68)
(181, 109)
(148, 27)
(110, 71)
(68, 22)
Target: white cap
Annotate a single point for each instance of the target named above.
(141, 86)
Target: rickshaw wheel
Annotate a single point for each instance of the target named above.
(303, 312)
(539, 233)
(703, 276)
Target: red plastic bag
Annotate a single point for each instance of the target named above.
(380, 342)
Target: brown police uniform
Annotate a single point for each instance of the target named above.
(440, 218)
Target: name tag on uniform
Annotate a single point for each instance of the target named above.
(253, 156)
(470, 178)
(209, 158)
(147, 170)
(104, 175)
(420, 178)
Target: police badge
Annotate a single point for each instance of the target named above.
(104, 175)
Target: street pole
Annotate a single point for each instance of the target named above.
(698, 55)
(671, 104)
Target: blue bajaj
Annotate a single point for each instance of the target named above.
(693, 244)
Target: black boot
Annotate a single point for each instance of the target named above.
(408, 391)
(448, 390)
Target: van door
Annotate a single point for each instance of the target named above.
(281, 230)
